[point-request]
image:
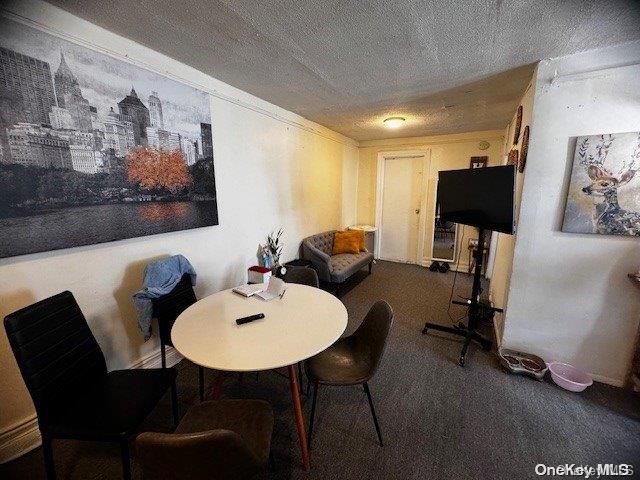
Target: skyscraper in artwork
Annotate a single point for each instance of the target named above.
(26, 94)
(155, 111)
(207, 140)
(132, 105)
(27, 82)
(70, 97)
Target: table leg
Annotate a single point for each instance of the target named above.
(216, 388)
(297, 410)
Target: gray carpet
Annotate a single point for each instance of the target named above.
(439, 421)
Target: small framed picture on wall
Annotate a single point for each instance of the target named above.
(516, 131)
(478, 162)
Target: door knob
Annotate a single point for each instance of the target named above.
(417, 211)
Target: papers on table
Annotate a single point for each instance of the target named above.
(248, 290)
(275, 288)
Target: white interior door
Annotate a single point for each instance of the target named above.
(401, 205)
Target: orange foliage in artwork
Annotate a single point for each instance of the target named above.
(154, 169)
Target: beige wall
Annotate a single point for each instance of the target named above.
(447, 152)
(273, 169)
(350, 189)
(501, 275)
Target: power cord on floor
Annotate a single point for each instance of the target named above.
(454, 321)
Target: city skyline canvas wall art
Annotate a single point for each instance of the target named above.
(94, 149)
(604, 192)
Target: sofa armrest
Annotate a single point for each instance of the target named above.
(319, 259)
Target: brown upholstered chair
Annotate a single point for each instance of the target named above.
(224, 439)
(353, 360)
(303, 276)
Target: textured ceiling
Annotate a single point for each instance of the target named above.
(446, 66)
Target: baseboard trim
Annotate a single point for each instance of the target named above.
(459, 267)
(22, 437)
(616, 382)
(496, 333)
(154, 359)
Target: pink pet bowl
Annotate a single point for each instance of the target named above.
(569, 377)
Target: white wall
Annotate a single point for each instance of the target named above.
(273, 169)
(570, 298)
(503, 262)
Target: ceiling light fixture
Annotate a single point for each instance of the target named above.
(394, 122)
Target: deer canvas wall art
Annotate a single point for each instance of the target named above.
(604, 192)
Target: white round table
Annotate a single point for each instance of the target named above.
(304, 322)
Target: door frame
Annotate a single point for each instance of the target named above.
(425, 153)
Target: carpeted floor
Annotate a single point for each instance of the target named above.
(439, 421)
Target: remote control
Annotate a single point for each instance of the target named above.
(251, 318)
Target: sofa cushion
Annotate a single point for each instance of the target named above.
(322, 241)
(344, 265)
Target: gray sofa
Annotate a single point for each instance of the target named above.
(333, 268)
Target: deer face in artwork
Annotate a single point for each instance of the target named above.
(604, 183)
(608, 217)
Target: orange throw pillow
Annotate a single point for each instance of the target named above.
(360, 235)
(345, 242)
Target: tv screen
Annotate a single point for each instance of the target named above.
(480, 197)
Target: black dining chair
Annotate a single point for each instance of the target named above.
(66, 374)
(222, 440)
(166, 310)
(353, 360)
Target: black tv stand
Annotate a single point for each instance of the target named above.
(470, 331)
(469, 335)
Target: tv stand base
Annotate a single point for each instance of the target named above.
(461, 331)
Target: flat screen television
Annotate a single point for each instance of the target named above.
(479, 197)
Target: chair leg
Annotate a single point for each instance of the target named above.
(216, 389)
(373, 412)
(370, 267)
(174, 403)
(47, 451)
(201, 382)
(126, 459)
(313, 412)
(163, 354)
